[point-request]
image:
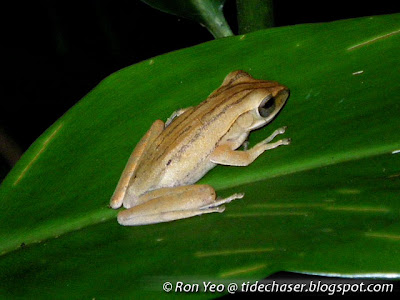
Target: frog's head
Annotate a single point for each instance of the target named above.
(270, 100)
(262, 104)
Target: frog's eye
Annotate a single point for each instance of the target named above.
(270, 105)
(267, 107)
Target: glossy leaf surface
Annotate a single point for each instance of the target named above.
(328, 203)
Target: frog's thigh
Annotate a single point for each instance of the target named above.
(130, 168)
(175, 114)
(168, 204)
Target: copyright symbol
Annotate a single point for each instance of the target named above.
(167, 286)
(232, 288)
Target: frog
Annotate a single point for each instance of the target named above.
(158, 182)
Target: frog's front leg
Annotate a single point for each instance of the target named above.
(168, 204)
(225, 155)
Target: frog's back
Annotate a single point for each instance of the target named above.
(180, 154)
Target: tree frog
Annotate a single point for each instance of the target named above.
(157, 184)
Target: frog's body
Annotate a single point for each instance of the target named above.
(156, 185)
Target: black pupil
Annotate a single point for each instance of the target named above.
(267, 108)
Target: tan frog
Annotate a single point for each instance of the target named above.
(157, 184)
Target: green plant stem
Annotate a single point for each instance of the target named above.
(254, 15)
(214, 19)
(209, 13)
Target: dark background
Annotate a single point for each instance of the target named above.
(55, 52)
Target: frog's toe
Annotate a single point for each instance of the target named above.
(286, 141)
(219, 202)
(282, 130)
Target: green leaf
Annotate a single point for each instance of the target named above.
(208, 13)
(326, 204)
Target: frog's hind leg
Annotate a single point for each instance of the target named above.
(217, 203)
(130, 168)
(169, 204)
(174, 115)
